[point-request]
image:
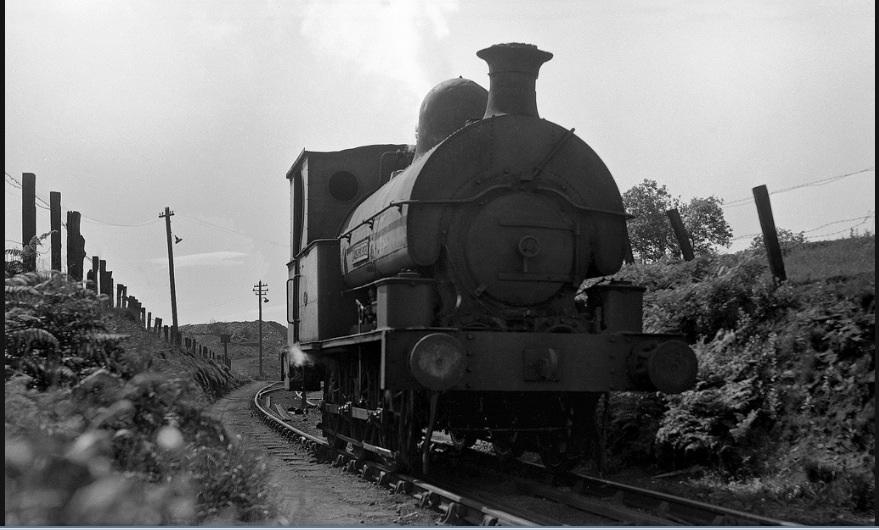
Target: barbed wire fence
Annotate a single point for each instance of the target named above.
(98, 278)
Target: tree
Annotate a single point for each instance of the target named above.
(651, 234)
(787, 240)
(705, 224)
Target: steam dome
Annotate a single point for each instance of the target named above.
(446, 108)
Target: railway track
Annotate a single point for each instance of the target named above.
(477, 492)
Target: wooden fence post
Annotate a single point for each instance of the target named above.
(55, 226)
(104, 280)
(770, 236)
(94, 273)
(75, 247)
(149, 320)
(28, 218)
(110, 284)
(681, 233)
(165, 330)
(142, 316)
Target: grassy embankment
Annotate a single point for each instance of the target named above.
(104, 423)
(783, 410)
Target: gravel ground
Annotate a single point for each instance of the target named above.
(308, 493)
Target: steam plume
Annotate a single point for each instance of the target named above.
(388, 37)
(299, 357)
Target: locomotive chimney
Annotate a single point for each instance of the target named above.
(512, 69)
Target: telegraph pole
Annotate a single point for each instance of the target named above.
(167, 215)
(28, 220)
(260, 290)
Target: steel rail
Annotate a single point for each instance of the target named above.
(681, 509)
(689, 510)
(675, 509)
(455, 508)
(474, 510)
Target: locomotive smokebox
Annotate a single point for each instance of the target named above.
(512, 69)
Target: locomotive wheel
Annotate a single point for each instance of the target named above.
(461, 440)
(554, 452)
(506, 445)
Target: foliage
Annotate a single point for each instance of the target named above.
(786, 377)
(701, 297)
(53, 331)
(15, 259)
(629, 427)
(93, 437)
(650, 232)
(704, 221)
(787, 240)
(59, 482)
(232, 483)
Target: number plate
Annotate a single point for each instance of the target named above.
(359, 251)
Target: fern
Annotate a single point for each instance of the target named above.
(27, 337)
(53, 330)
(19, 257)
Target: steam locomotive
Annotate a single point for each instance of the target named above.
(460, 285)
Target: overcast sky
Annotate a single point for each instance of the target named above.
(126, 107)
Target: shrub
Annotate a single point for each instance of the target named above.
(787, 241)
(94, 438)
(786, 377)
(53, 331)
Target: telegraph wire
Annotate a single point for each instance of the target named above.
(862, 218)
(816, 182)
(849, 229)
(746, 236)
(98, 221)
(17, 184)
(232, 231)
(14, 182)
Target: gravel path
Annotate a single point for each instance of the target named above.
(309, 493)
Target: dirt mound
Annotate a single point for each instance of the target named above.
(243, 347)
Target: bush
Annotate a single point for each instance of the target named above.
(787, 241)
(92, 437)
(54, 333)
(786, 376)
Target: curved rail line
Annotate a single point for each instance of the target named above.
(613, 501)
(456, 508)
